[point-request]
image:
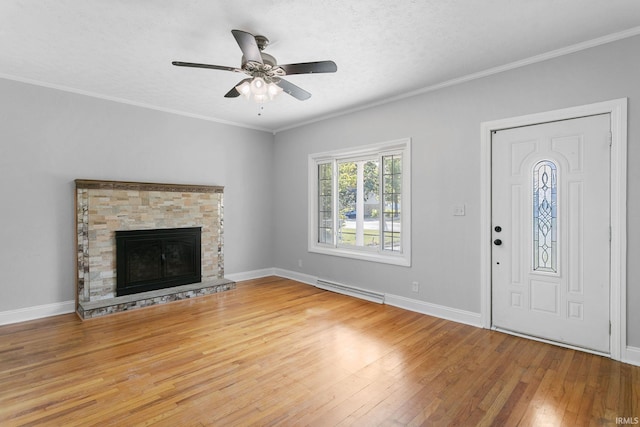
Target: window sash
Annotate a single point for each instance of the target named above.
(325, 222)
(363, 237)
(391, 200)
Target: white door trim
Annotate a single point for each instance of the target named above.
(618, 110)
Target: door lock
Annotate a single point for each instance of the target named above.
(497, 242)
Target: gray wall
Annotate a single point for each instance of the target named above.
(445, 129)
(49, 138)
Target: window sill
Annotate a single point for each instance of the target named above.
(403, 260)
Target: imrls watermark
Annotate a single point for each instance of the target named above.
(627, 420)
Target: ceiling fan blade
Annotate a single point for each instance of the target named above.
(233, 93)
(293, 90)
(248, 45)
(213, 67)
(310, 67)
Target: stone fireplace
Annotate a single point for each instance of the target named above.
(104, 208)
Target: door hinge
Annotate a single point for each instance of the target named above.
(610, 233)
(609, 327)
(610, 139)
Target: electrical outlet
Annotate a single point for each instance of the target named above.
(300, 263)
(415, 287)
(458, 210)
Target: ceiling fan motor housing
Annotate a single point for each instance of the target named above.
(268, 70)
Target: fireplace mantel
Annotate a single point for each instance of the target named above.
(104, 207)
(146, 186)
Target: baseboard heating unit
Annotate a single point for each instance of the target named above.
(353, 291)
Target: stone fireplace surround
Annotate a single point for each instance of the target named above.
(103, 207)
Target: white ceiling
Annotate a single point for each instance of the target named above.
(122, 49)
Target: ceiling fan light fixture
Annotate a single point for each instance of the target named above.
(258, 86)
(273, 90)
(259, 90)
(245, 89)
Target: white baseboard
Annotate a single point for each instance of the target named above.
(631, 356)
(250, 275)
(441, 311)
(294, 275)
(36, 312)
(265, 272)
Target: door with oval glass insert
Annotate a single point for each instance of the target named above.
(551, 231)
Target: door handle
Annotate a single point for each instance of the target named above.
(497, 242)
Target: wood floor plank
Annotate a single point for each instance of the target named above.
(278, 352)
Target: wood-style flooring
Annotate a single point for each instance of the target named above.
(278, 352)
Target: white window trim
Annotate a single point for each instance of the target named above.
(402, 258)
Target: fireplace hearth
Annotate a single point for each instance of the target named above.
(148, 260)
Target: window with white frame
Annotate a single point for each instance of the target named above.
(360, 204)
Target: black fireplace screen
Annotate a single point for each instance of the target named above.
(155, 259)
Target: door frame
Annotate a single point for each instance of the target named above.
(617, 108)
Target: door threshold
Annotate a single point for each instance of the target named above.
(547, 341)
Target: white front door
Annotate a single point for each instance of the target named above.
(551, 231)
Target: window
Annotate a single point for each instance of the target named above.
(359, 204)
(545, 203)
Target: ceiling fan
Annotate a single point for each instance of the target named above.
(265, 75)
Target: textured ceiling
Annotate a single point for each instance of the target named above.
(122, 49)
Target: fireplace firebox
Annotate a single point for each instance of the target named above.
(147, 260)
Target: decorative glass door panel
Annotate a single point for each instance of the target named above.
(545, 213)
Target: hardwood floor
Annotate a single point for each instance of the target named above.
(278, 352)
